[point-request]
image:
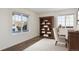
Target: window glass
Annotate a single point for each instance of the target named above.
(61, 20)
(19, 22)
(66, 21)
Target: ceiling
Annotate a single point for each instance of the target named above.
(43, 10)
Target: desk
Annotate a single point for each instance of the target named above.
(73, 40)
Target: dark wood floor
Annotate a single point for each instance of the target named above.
(23, 45)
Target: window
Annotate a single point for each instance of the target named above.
(66, 21)
(19, 22)
(61, 20)
(78, 18)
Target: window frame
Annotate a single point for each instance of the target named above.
(77, 17)
(65, 20)
(22, 15)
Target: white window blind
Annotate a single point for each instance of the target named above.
(66, 21)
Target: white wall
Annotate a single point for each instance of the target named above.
(62, 12)
(7, 39)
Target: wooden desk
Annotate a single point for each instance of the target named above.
(73, 40)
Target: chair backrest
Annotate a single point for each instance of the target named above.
(63, 31)
(77, 28)
(55, 34)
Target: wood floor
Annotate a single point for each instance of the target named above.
(23, 45)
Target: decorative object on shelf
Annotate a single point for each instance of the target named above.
(43, 31)
(45, 26)
(48, 32)
(43, 23)
(48, 23)
(45, 35)
(48, 29)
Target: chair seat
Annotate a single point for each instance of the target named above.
(62, 40)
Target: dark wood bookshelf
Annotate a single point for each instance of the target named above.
(46, 26)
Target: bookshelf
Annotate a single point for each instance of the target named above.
(46, 25)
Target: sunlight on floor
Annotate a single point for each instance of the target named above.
(46, 45)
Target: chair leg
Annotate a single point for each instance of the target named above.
(56, 43)
(66, 44)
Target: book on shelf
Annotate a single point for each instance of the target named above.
(47, 23)
(45, 35)
(43, 23)
(48, 32)
(43, 31)
(48, 29)
(46, 26)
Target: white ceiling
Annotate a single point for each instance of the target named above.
(43, 10)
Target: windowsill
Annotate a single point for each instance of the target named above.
(68, 27)
(18, 33)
